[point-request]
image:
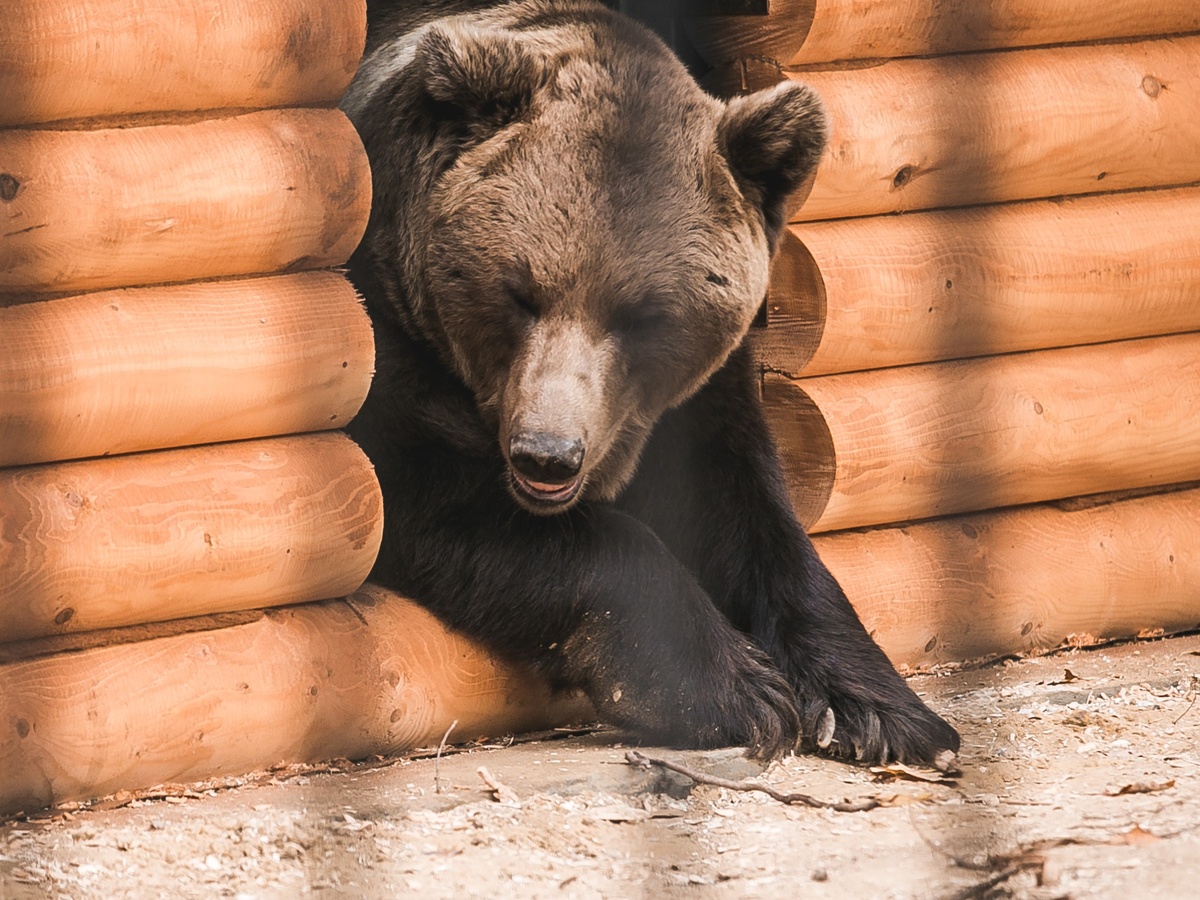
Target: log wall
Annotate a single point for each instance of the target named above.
(256, 193)
(986, 303)
(180, 364)
(1024, 580)
(888, 445)
(92, 58)
(371, 674)
(803, 32)
(165, 282)
(176, 509)
(881, 291)
(154, 536)
(989, 127)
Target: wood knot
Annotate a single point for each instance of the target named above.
(902, 177)
(23, 728)
(8, 187)
(64, 617)
(1152, 86)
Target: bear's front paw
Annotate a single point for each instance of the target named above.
(738, 699)
(755, 709)
(879, 730)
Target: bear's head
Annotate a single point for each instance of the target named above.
(580, 232)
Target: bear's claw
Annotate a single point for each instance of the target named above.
(906, 733)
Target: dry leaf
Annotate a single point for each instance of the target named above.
(1136, 837)
(900, 770)
(1140, 787)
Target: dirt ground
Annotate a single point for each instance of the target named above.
(1081, 778)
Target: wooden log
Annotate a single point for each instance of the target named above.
(892, 445)
(156, 536)
(800, 32)
(264, 192)
(374, 674)
(984, 128)
(146, 368)
(881, 291)
(66, 59)
(1024, 580)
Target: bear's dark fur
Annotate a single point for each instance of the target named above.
(568, 243)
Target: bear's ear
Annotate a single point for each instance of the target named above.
(486, 78)
(772, 140)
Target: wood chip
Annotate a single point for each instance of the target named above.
(1136, 837)
(1140, 787)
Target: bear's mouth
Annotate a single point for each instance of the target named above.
(547, 494)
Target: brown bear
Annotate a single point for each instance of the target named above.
(568, 243)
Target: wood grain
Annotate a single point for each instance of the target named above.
(146, 368)
(892, 445)
(156, 536)
(881, 291)
(1024, 580)
(798, 32)
(260, 193)
(989, 127)
(66, 59)
(374, 674)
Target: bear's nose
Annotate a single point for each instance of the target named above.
(545, 457)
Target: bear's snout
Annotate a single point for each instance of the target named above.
(546, 460)
(545, 469)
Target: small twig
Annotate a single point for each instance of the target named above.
(502, 792)
(1190, 705)
(437, 760)
(634, 758)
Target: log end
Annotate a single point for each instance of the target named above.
(796, 310)
(806, 449)
(779, 35)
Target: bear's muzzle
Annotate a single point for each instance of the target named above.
(546, 467)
